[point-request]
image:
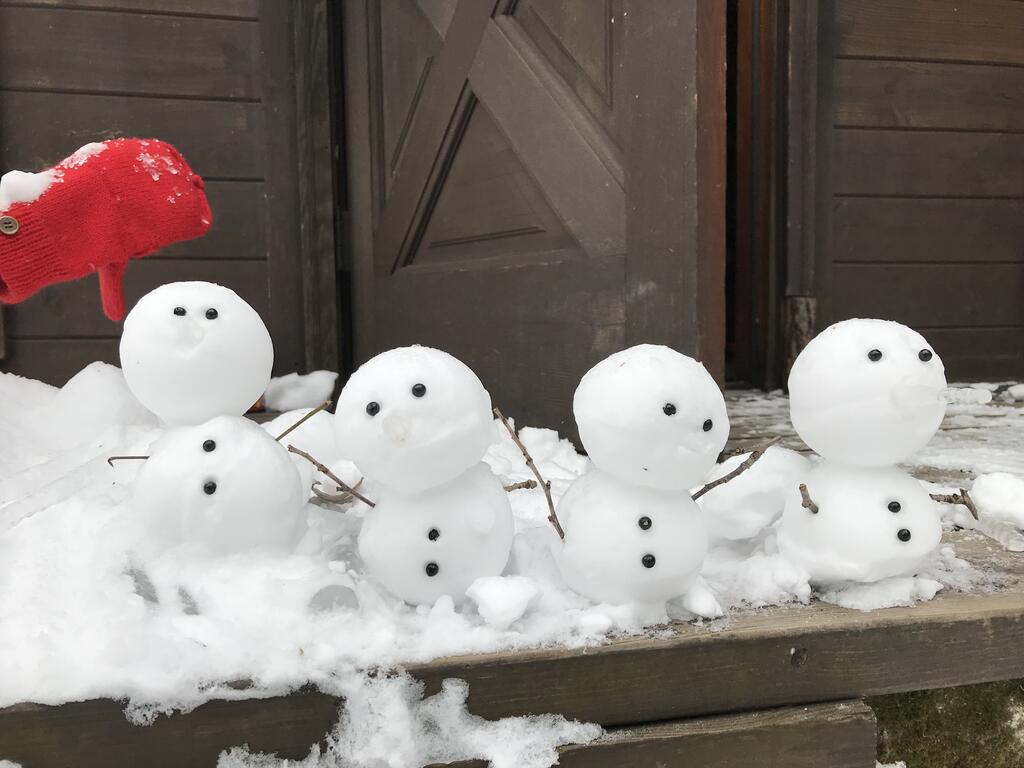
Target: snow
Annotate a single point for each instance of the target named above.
(502, 600)
(295, 390)
(22, 187)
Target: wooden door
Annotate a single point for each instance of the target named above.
(536, 184)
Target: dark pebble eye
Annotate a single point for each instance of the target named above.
(179, 311)
(373, 408)
(644, 523)
(434, 534)
(211, 314)
(903, 534)
(669, 409)
(210, 488)
(875, 355)
(648, 561)
(209, 446)
(419, 390)
(432, 569)
(924, 355)
(708, 425)
(894, 507)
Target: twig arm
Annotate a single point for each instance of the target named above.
(552, 515)
(522, 485)
(303, 420)
(963, 497)
(743, 467)
(112, 459)
(334, 478)
(808, 502)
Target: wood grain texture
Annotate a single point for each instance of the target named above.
(980, 354)
(237, 228)
(242, 9)
(908, 94)
(127, 53)
(840, 735)
(218, 138)
(931, 163)
(880, 229)
(56, 360)
(937, 30)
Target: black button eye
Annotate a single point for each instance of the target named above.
(432, 569)
(875, 355)
(211, 314)
(648, 561)
(669, 409)
(903, 534)
(708, 425)
(644, 523)
(924, 355)
(209, 446)
(419, 390)
(894, 507)
(373, 408)
(434, 534)
(210, 488)
(179, 311)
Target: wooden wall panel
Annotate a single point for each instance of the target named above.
(57, 48)
(242, 9)
(237, 231)
(986, 31)
(911, 94)
(57, 360)
(979, 354)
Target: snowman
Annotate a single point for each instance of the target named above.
(864, 394)
(417, 422)
(653, 422)
(192, 351)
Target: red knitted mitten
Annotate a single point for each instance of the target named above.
(105, 205)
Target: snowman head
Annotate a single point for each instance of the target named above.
(191, 351)
(867, 392)
(651, 416)
(413, 418)
(222, 487)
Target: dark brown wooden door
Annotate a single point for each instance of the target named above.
(536, 184)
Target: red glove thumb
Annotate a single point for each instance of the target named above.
(112, 291)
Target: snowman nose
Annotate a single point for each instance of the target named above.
(397, 428)
(912, 395)
(191, 333)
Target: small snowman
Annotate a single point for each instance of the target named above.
(864, 394)
(417, 422)
(653, 422)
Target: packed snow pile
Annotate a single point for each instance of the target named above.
(296, 390)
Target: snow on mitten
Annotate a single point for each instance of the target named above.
(106, 204)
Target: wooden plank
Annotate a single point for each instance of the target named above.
(938, 30)
(60, 49)
(757, 659)
(70, 310)
(879, 229)
(237, 228)
(218, 138)
(56, 360)
(840, 735)
(950, 295)
(906, 94)
(242, 9)
(979, 354)
(577, 167)
(937, 163)
(95, 734)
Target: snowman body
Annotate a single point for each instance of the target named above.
(872, 523)
(439, 541)
(653, 422)
(627, 543)
(417, 422)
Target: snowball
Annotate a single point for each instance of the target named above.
(746, 505)
(438, 542)
(1016, 392)
(219, 488)
(21, 187)
(413, 418)
(652, 416)
(502, 600)
(1000, 496)
(862, 411)
(192, 351)
(856, 534)
(629, 543)
(887, 593)
(288, 393)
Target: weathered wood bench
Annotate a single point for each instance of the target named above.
(774, 685)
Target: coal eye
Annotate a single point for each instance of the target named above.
(211, 314)
(179, 311)
(875, 355)
(669, 409)
(903, 534)
(209, 446)
(210, 488)
(419, 390)
(894, 507)
(373, 408)
(708, 425)
(924, 355)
